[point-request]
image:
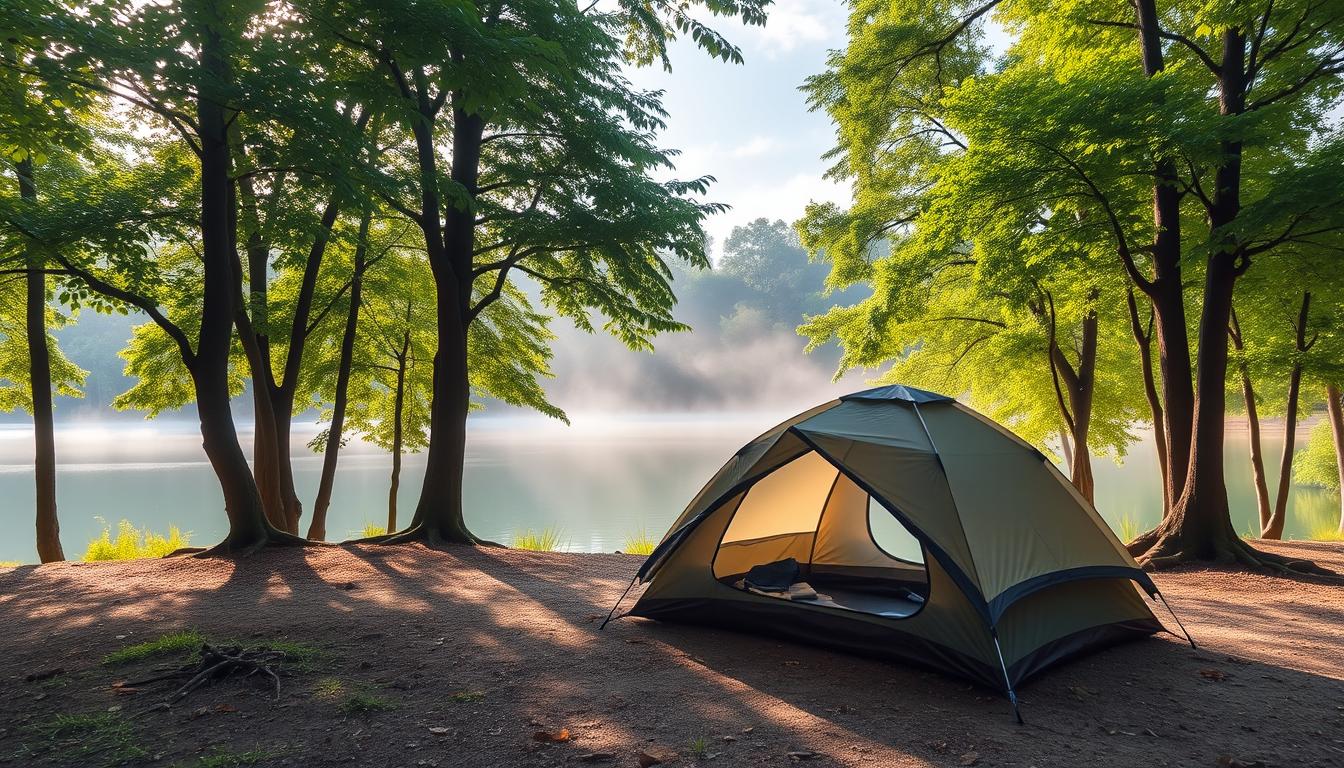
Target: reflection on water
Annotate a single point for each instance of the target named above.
(598, 481)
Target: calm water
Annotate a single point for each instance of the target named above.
(598, 481)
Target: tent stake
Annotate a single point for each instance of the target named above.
(1184, 631)
(1012, 695)
(618, 603)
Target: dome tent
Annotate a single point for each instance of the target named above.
(1009, 570)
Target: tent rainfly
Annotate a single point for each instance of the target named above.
(898, 523)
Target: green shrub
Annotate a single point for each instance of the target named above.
(372, 529)
(1315, 464)
(133, 544)
(545, 540)
(639, 543)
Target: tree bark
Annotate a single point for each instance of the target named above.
(1166, 291)
(438, 517)
(1143, 339)
(317, 528)
(399, 403)
(1066, 445)
(1252, 426)
(1335, 412)
(1273, 529)
(248, 526)
(1199, 526)
(39, 382)
(1079, 385)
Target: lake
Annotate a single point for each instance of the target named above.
(597, 482)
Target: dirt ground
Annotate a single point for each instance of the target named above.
(464, 658)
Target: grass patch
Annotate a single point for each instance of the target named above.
(10, 563)
(363, 702)
(639, 543)
(370, 530)
(699, 746)
(1327, 532)
(356, 700)
(467, 697)
(186, 640)
(98, 738)
(1129, 528)
(227, 759)
(132, 543)
(545, 540)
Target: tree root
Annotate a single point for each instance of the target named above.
(273, 538)
(430, 536)
(217, 664)
(1155, 552)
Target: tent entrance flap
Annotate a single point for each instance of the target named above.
(810, 513)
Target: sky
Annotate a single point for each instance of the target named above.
(747, 124)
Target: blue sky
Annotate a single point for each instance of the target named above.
(748, 125)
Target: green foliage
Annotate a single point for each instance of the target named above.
(545, 540)
(639, 543)
(698, 747)
(132, 543)
(995, 196)
(1315, 464)
(173, 642)
(89, 739)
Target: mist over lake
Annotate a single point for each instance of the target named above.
(602, 479)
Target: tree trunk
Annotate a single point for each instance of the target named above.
(1199, 526)
(1335, 411)
(399, 403)
(1274, 528)
(39, 381)
(1144, 341)
(317, 529)
(1252, 426)
(248, 527)
(1079, 384)
(1066, 445)
(438, 517)
(1166, 291)
(265, 456)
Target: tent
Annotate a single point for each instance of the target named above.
(922, 530)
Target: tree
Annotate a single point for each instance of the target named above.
(393, 367)
(1132, 144)
(188, 71)
(550, 178)
(39, 121)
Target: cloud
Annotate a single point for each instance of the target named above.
(798, 23)
(756, 146)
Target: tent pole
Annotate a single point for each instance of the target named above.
(618, 603)
(1184, 631)
(1012, 695)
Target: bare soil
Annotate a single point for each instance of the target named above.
(468, 657)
